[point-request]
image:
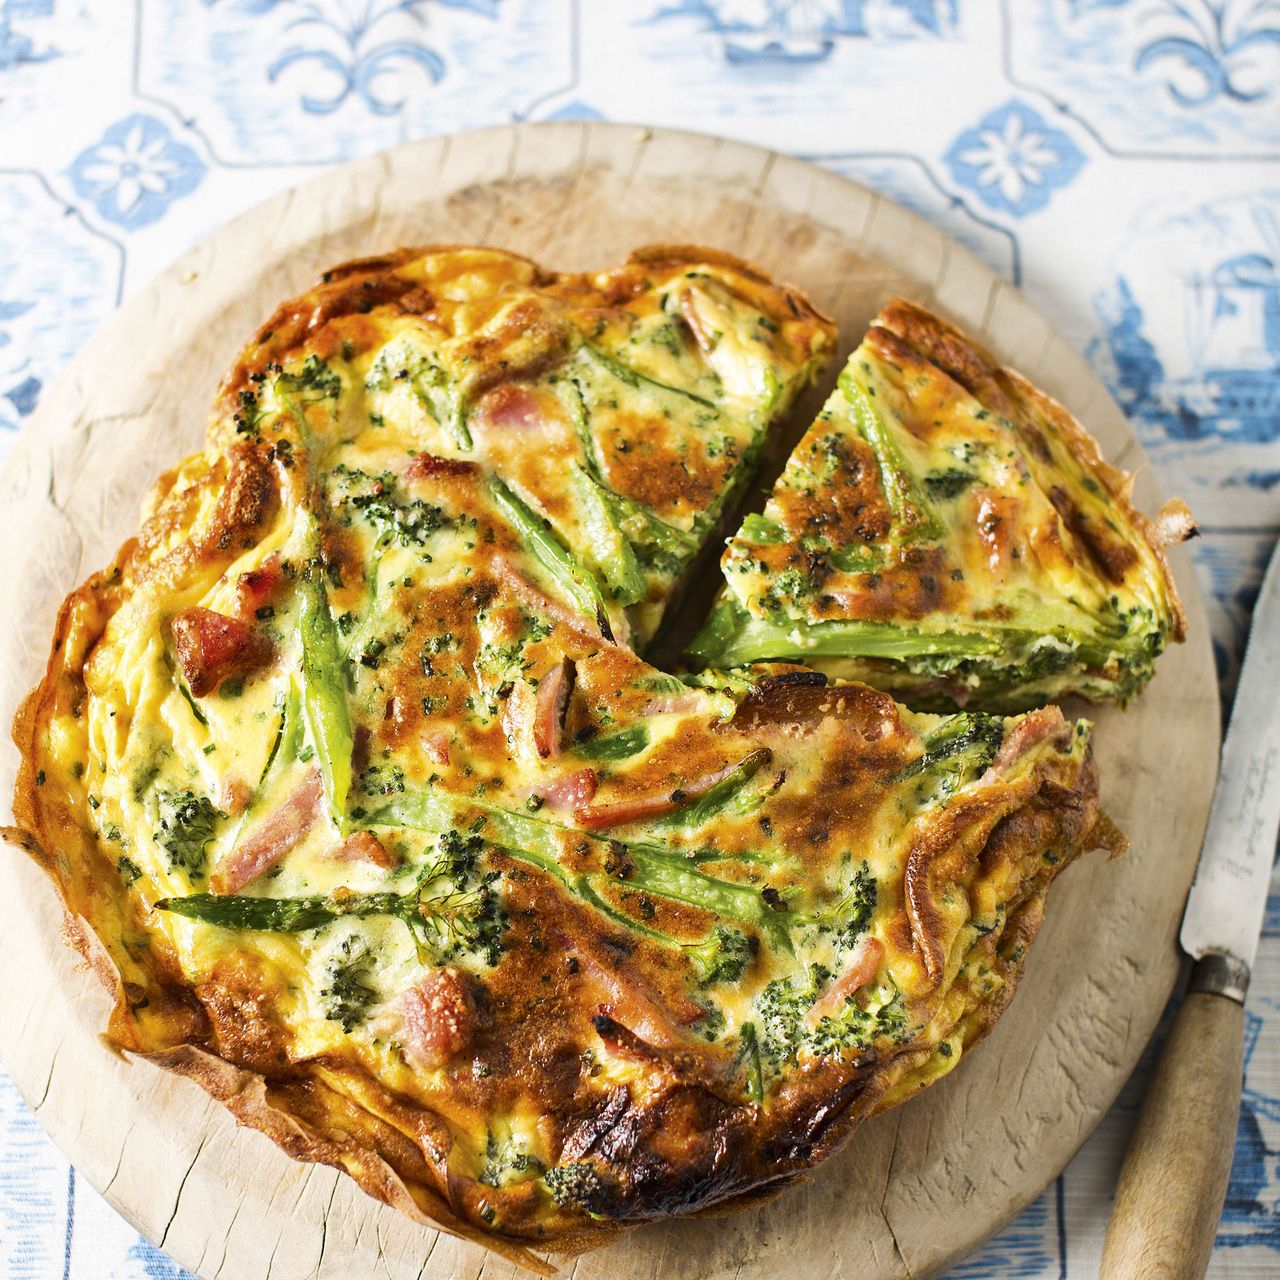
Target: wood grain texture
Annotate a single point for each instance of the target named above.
(919, 1186)
(1174, 1178)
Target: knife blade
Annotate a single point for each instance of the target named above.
(1229, 894)
(1174, 1179)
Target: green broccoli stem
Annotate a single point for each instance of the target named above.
(633, 377)
(578, 582)
(291, 915)
(283, 753)
(439, 922)
(324, 691)
(732, 637)
(431, 379)
(964, 743)
(697, 812)
(722, 956)
(615, 746)
(665, 873)
(612, 551)
(749, 1056)
(642, 527)
(912, 510)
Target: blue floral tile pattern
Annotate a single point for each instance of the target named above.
(1212, 49)
(1165, 76)
(58, 281)
(1014, 160)
(1120, 159)
(136, 171)
(349, 52)
(16, 44)
(295, 81)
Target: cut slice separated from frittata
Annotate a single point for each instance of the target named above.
(398, 852)
(947, 532)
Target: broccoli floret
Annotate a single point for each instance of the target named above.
(781, 1008)
(462, 921)
(410, 522)
(187, 825)
(576, 1185)
(722, 956)
(954, 753)
(712, 1023)
(855, 1028)
(505, 1162)
(948, 483)
(849, 916)
(781, 1032)
(314, 375)
(467, 917)
(453, 908)
(348, 994)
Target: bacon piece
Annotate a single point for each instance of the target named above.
(636, 808)
(805, 698)
(1030, 730)
(554, 693)
(862, 967)
(212, 647)
(437, 746)
(235, 796)
(259, 587)
(363, 846)
(271, 839)
(570, 791)
(437, 1017)
(509, 406)
(423, 466)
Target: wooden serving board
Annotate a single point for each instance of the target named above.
(915, 1189)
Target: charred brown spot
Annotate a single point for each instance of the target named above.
(1113, 556)
(247, 499)
(424, 466)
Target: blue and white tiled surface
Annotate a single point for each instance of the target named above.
(1118, 159)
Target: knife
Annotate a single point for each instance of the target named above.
(1174, 1178)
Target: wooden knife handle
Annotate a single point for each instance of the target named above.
(1174, 1178)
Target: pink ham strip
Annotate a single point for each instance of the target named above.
(271, 839)
(678, 704)
(363, 846)
(570, 791)
(437, 1017)
(689, 313)
(554, 693)
(862, 968)
(535, 598)
(1031, 730)
(638, 808)
(509, 406)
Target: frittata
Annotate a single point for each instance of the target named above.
(376, 824)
